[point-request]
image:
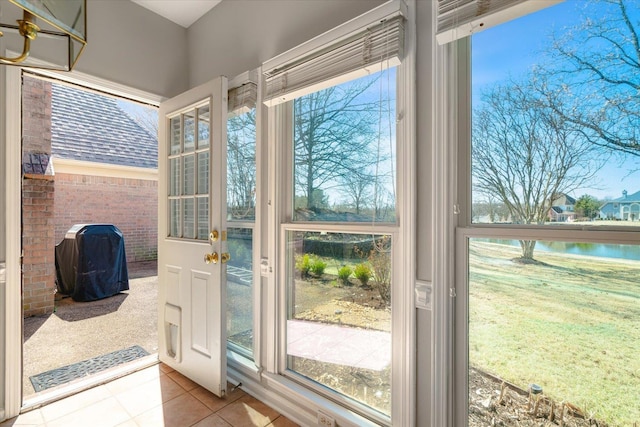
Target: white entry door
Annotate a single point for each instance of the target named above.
(191, 234)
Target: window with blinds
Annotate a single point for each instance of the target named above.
(367, 50)
(461, 18)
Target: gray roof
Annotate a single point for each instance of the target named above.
(635, 197)
(92, 127)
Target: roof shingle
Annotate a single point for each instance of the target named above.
(92, 127)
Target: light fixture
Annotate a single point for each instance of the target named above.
(55, 42)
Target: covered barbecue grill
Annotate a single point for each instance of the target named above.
(91, 263)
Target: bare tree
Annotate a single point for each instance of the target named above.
(241, 165)
(596, 67)
(357, 188)
(525, 155)
(335, 132)
(147, 118)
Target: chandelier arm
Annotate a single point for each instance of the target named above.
(21, 57)
(28, 30)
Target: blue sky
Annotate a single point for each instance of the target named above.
(513, 48)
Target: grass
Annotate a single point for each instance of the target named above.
(568, 323)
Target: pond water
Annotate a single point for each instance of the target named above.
(629, 252)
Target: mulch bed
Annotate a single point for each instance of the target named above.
(493, 402)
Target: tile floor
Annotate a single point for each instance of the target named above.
(156, 396)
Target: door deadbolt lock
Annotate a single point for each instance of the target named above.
(212, 258)
(213, 236)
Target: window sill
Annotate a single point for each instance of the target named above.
(243, 365)
(307, 399)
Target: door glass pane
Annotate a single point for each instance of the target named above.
(188, 224)
(174, 135)
(241, 165)
(203, 218)
(174, 177)
(174, 218)
(188, 171)
(189, 132)
(339, 313)
(203, 173)
(345, 151)
(566, 324)
(241, 193)
(188, 175)
(203, 127)
(240, 289)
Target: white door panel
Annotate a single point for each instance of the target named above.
(192, 204)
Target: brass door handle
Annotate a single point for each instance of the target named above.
(212, 258)
(225, 257)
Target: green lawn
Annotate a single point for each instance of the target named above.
(570, 324)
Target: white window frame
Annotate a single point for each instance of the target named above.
(238, 364)
(403, 232)
(452, 216)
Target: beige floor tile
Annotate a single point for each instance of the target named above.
(234, 393)
(213, 420)
(212, 401)
(248, 411)
(132, 380)
(152, 398)
(165, 368)
(31, 418)
(106, 413)
(149, 394)
(183, 411)
(283, 421)
(184, 382)
(73, 403)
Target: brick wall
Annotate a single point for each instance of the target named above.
(129, 204)
(38, 280)
(38, 267)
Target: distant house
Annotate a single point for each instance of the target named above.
(625, 208)
(563, 209)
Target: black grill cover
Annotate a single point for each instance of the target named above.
(91, 262)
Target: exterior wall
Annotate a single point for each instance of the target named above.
(37, 203)
(610, 211)
(38, 279)
(129, 204)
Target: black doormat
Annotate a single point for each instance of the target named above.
(91, 366)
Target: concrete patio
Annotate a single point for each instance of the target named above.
(78, 331)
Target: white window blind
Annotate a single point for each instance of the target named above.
(370, 49)
(461, 18)
(242, 98)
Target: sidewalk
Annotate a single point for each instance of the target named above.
(358, 348)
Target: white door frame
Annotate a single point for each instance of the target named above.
(11, 310)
